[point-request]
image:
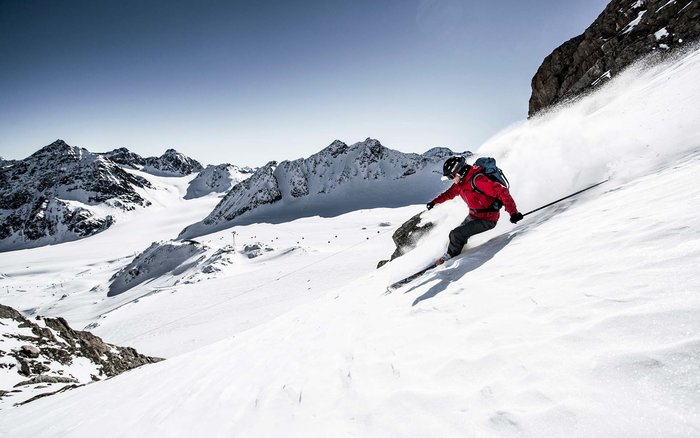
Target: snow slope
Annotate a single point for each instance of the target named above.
(582, 320)
(538, 332)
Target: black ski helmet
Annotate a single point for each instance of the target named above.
(454, 166)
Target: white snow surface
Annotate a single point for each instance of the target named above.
(582, 320)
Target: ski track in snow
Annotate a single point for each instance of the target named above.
(583, 320)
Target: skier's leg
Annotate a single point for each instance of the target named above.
(460, 235)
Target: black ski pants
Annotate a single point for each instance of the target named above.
(468, 228)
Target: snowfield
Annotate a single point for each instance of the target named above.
(582, 320)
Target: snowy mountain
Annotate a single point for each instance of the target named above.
(625, 32)
(45, 356)
(171, 163)
(338, 179)
(217, 179)
(126, 158)
(62, 193)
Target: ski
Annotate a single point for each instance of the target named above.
(392, 287)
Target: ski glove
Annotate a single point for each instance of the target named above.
(430, 205)
(515, 217)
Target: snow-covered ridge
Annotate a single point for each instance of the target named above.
(171, 163)
(62, 193)
(217, 179)
(338, 179)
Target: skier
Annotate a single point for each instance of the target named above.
(484, 198)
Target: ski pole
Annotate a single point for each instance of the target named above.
(565, 197)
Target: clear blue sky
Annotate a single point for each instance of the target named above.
(247, 82)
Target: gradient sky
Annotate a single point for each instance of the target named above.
(247, 82)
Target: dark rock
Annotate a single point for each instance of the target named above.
(58, 342)
(626, 31)
(406, 237)
(29, 351)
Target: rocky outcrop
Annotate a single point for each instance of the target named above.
(48, 197)
(406, 237)
(626, 31)
(338, 179)
(45, 356)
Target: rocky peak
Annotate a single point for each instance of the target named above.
(336, 148)
(626, 31)
(125, 157)
(59, 149)
(172, 163)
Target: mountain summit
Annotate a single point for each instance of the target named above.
(171, 163)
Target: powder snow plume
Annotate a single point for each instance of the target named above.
(644, 118)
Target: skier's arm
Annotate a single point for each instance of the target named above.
(495, 190)
(449, 194)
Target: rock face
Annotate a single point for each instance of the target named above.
(338, 179)
(216, 179)
(47, 356)
(48, 197)
(126, 158)
(406, 237)
(625, 31)
(172, 163)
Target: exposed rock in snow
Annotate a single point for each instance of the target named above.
(216, 179)
(256, 249)
(45, 357)
(173, 258)
(406, 237)
(338, 179)
(172, 163)
(62, 193)
(126, 158)
(623, 33)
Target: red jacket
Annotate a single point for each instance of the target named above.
(477, 201)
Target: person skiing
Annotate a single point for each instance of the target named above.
(484, 197)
